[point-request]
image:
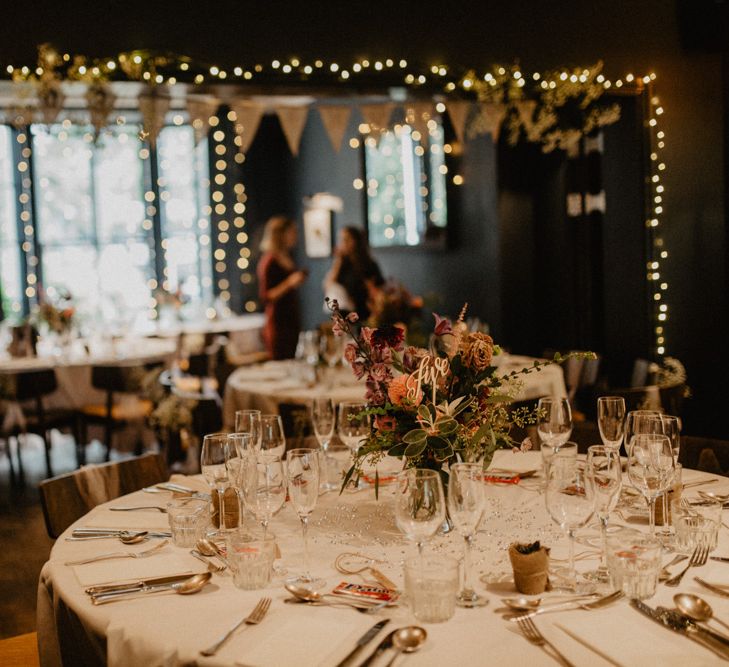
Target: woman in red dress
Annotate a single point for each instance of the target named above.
(278, 282)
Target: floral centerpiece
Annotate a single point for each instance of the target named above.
(437, 406)
(57, 317)
(393, 304)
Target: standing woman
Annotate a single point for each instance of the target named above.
(354, 273)
(278, 282)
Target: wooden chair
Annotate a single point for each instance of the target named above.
(20, 651)
(705, 454)
(115, 380)
(63, 501)
(297, 425)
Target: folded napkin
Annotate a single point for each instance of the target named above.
(194, 482)
(506, 459)
(167, 561)
(136, 520)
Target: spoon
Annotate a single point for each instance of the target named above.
(307, 595)
(696, 608)
(525, 604)
(208, 548)
(187, 587)
(407, 640)
(125, 536)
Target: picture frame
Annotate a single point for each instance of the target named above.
(318, 236)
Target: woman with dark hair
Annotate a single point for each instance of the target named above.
(278, 282)
(354, 275)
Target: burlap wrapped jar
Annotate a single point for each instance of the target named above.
(531, 568)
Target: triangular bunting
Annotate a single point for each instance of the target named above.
(459, 110)
(293, 121)
(525, 109)
(491, 116)
(200, 108)
(377, 116)
(335, 120)
(154, 106)
(248, 118)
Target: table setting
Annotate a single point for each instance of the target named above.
(437, 540)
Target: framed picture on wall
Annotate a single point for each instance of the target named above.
(318, 232)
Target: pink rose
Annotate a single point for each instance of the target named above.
(366, 334)
(350, 352)
(385, 423)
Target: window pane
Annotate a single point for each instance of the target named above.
(118, 186)
(9, 250)
(62, 166)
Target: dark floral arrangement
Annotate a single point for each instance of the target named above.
(437, 406)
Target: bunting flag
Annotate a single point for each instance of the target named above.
(377, 116)
(200, 108)
(335, 120)
(293, 120)
(100, 101)
(459, 110)
(50, 100)
(154, 103)
(417, 115)
(248, 118)
(525, 109)
(490, 117)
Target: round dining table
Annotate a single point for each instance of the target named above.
(169, 629)
(265, 386)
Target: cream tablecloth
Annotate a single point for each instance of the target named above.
(170, 630)
(265, 386)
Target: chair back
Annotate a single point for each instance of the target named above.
(110, 378)
(641, 373)
(35, 384)
(296, 421)
(66, 498)
(706, 454)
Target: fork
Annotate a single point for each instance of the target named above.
(254, 618)
(119, 554)
(212, 566)
(141, 507)
(532, 633)
(698, 558)
(587, 606)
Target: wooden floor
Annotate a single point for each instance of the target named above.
(24, 544)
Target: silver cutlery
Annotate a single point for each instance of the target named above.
(698, 558)
(255, 617)
(589, 646)
(567, 606)
(365, 639)
(720, 559)
(141, 507)
(700, 482)
(384, 645)
(532, 633)
(363, 607)
(119, 554)
(214, 567)
(140, 583)
(188, 586)
(718, 589)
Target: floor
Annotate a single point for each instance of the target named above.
(24, 543)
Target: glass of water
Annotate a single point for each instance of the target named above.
(634, 563)
(189, 518)
(431, 585)
(251, 557)
(696, 522)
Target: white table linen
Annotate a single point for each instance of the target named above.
(171, 630)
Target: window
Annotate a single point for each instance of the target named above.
(406, 191)
(10, 271)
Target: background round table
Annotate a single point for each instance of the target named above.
(171, 630)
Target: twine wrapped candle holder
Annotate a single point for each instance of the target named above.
(530, 563)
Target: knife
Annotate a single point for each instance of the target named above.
(712, 587)
(366, 638)
(685, 626)
(153, 581)
(721, 559)
(383, 646)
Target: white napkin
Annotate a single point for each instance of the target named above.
(134, 520)
(516, 461)
(160, 564)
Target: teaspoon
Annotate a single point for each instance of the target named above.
(307, 595)
(208, 548)
(407, 640)
(695, 608)
(125, 536)
(187, 587)
(525, 604)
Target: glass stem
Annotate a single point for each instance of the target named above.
(307, 561)
(652, 515)
(664, 523)
(221, 509)
(573, 573)
(603, 532)
(264, 523)
(467, 583)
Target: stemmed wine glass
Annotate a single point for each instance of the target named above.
(323, 418)
(554, 426)
(465, 506)
(641, 421)
(611, 420)
(273, 440)
(672, 429)
(604, 469)
(302, 475)
(570, 500)
(650, 468)
(353, 425)
(249, 421)
(214, 456)
(264, 486)
(419, 504)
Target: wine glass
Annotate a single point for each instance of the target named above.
(611, 420)
(650, 468)
(554, 425)
(273, 440)
(302, 476)
(419, 504)
(214, 456)
(641, 421)
(353, 425)
(264, 486)
(604, 469)
(249, 421)
(465, 506)
(570, 500)
(672, 429)
(323, 418)
(240, 448)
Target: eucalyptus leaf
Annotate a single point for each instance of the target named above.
(446, 425)
(415, 449)
(424, 413)
(436, 442)
(415, 436)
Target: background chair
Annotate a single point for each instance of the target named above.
(20, 651)
(64, 500)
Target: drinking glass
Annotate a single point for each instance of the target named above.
(188, 518)
(563, 451)
(273, 440)
(554, 421)
(672, 429)
(650, 468)
(264, 486)
(332, 349)
(611, 420)
(604, 469)
(251, 558)
(431, 583)
(419, 504)
(214, 456)
(696, 522)
(240, 448)
(641, 421)
(570, 500)
(249, 421)
(634, 562)
(302, 476)
(465, 507)
(323, 418)
(353, 425)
